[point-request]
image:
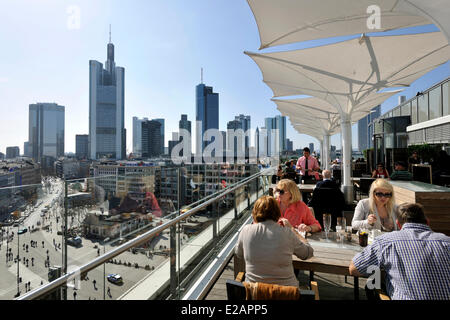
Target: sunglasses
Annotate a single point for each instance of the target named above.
(280, 191)
(381, 194)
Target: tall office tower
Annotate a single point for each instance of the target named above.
(311, 147)
(234, 138)
(207, 114)
(364, 131)
(2, 156)
(46, 132)
(107, 134)
(151, 139)
(184, 123)
(172, 143)
(12, 152)
(281, 125)
(289, 145)
(81, 146)
(26, 149)
(224, 143)
(276, 134)
(246, 125)
(162, 134)
(257, 141)
(137, 136)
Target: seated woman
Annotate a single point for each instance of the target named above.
(380, 172)
(293, 208)
(267, 247)
(378, 211)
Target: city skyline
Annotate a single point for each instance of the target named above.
(47, 60)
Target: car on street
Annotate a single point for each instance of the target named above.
(115, 278)
(21, 231)
(76, 241)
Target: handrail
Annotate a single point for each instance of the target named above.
(42, 290)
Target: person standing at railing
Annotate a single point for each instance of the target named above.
(267, 247)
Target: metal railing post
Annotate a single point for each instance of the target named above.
(173, 264)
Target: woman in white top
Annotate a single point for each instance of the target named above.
(378, 211)
(267, 246)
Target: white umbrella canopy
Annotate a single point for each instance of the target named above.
(316, 109)
(287, 21)
(304, 112)
(347, 72)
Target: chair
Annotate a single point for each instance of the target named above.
(364, 186)
(327, 200)
(236, 289)
(337, 173)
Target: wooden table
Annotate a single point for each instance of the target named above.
(330, 257)
(306, 187)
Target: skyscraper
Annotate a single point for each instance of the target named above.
(107, 134)
(184, 123)
(81, 146)
(46, 132)
(289, 145)
(311, 147)
(364, 132)
(276, 134)
(207, 113)
(137, 136)
(246, 126)
(162, 134)
(12, 152)
(151, 138)
(235, 145)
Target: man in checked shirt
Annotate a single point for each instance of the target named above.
(416, 259)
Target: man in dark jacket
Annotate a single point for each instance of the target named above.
(327, 198)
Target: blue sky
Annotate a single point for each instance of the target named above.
(161, 44)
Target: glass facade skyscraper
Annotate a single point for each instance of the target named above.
(46, 131)
(81, 146)
(162, 134)
(207, 113)
(365, 132)
(151, 138)
(107, 135)
(276, 134)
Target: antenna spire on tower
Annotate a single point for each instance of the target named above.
(201, 75)
(110, 33)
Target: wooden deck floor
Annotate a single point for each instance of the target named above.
(331, 287)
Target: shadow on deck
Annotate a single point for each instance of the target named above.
(331, 287)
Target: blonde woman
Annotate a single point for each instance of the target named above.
(378, 211)
(293, 208)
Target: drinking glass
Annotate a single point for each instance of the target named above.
(349, 233)
(341, 222)
(327, 223)
(363, 236)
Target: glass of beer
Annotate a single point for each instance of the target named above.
(363, 238)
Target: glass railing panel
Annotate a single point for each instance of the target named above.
(29, 243)
(106, 212)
